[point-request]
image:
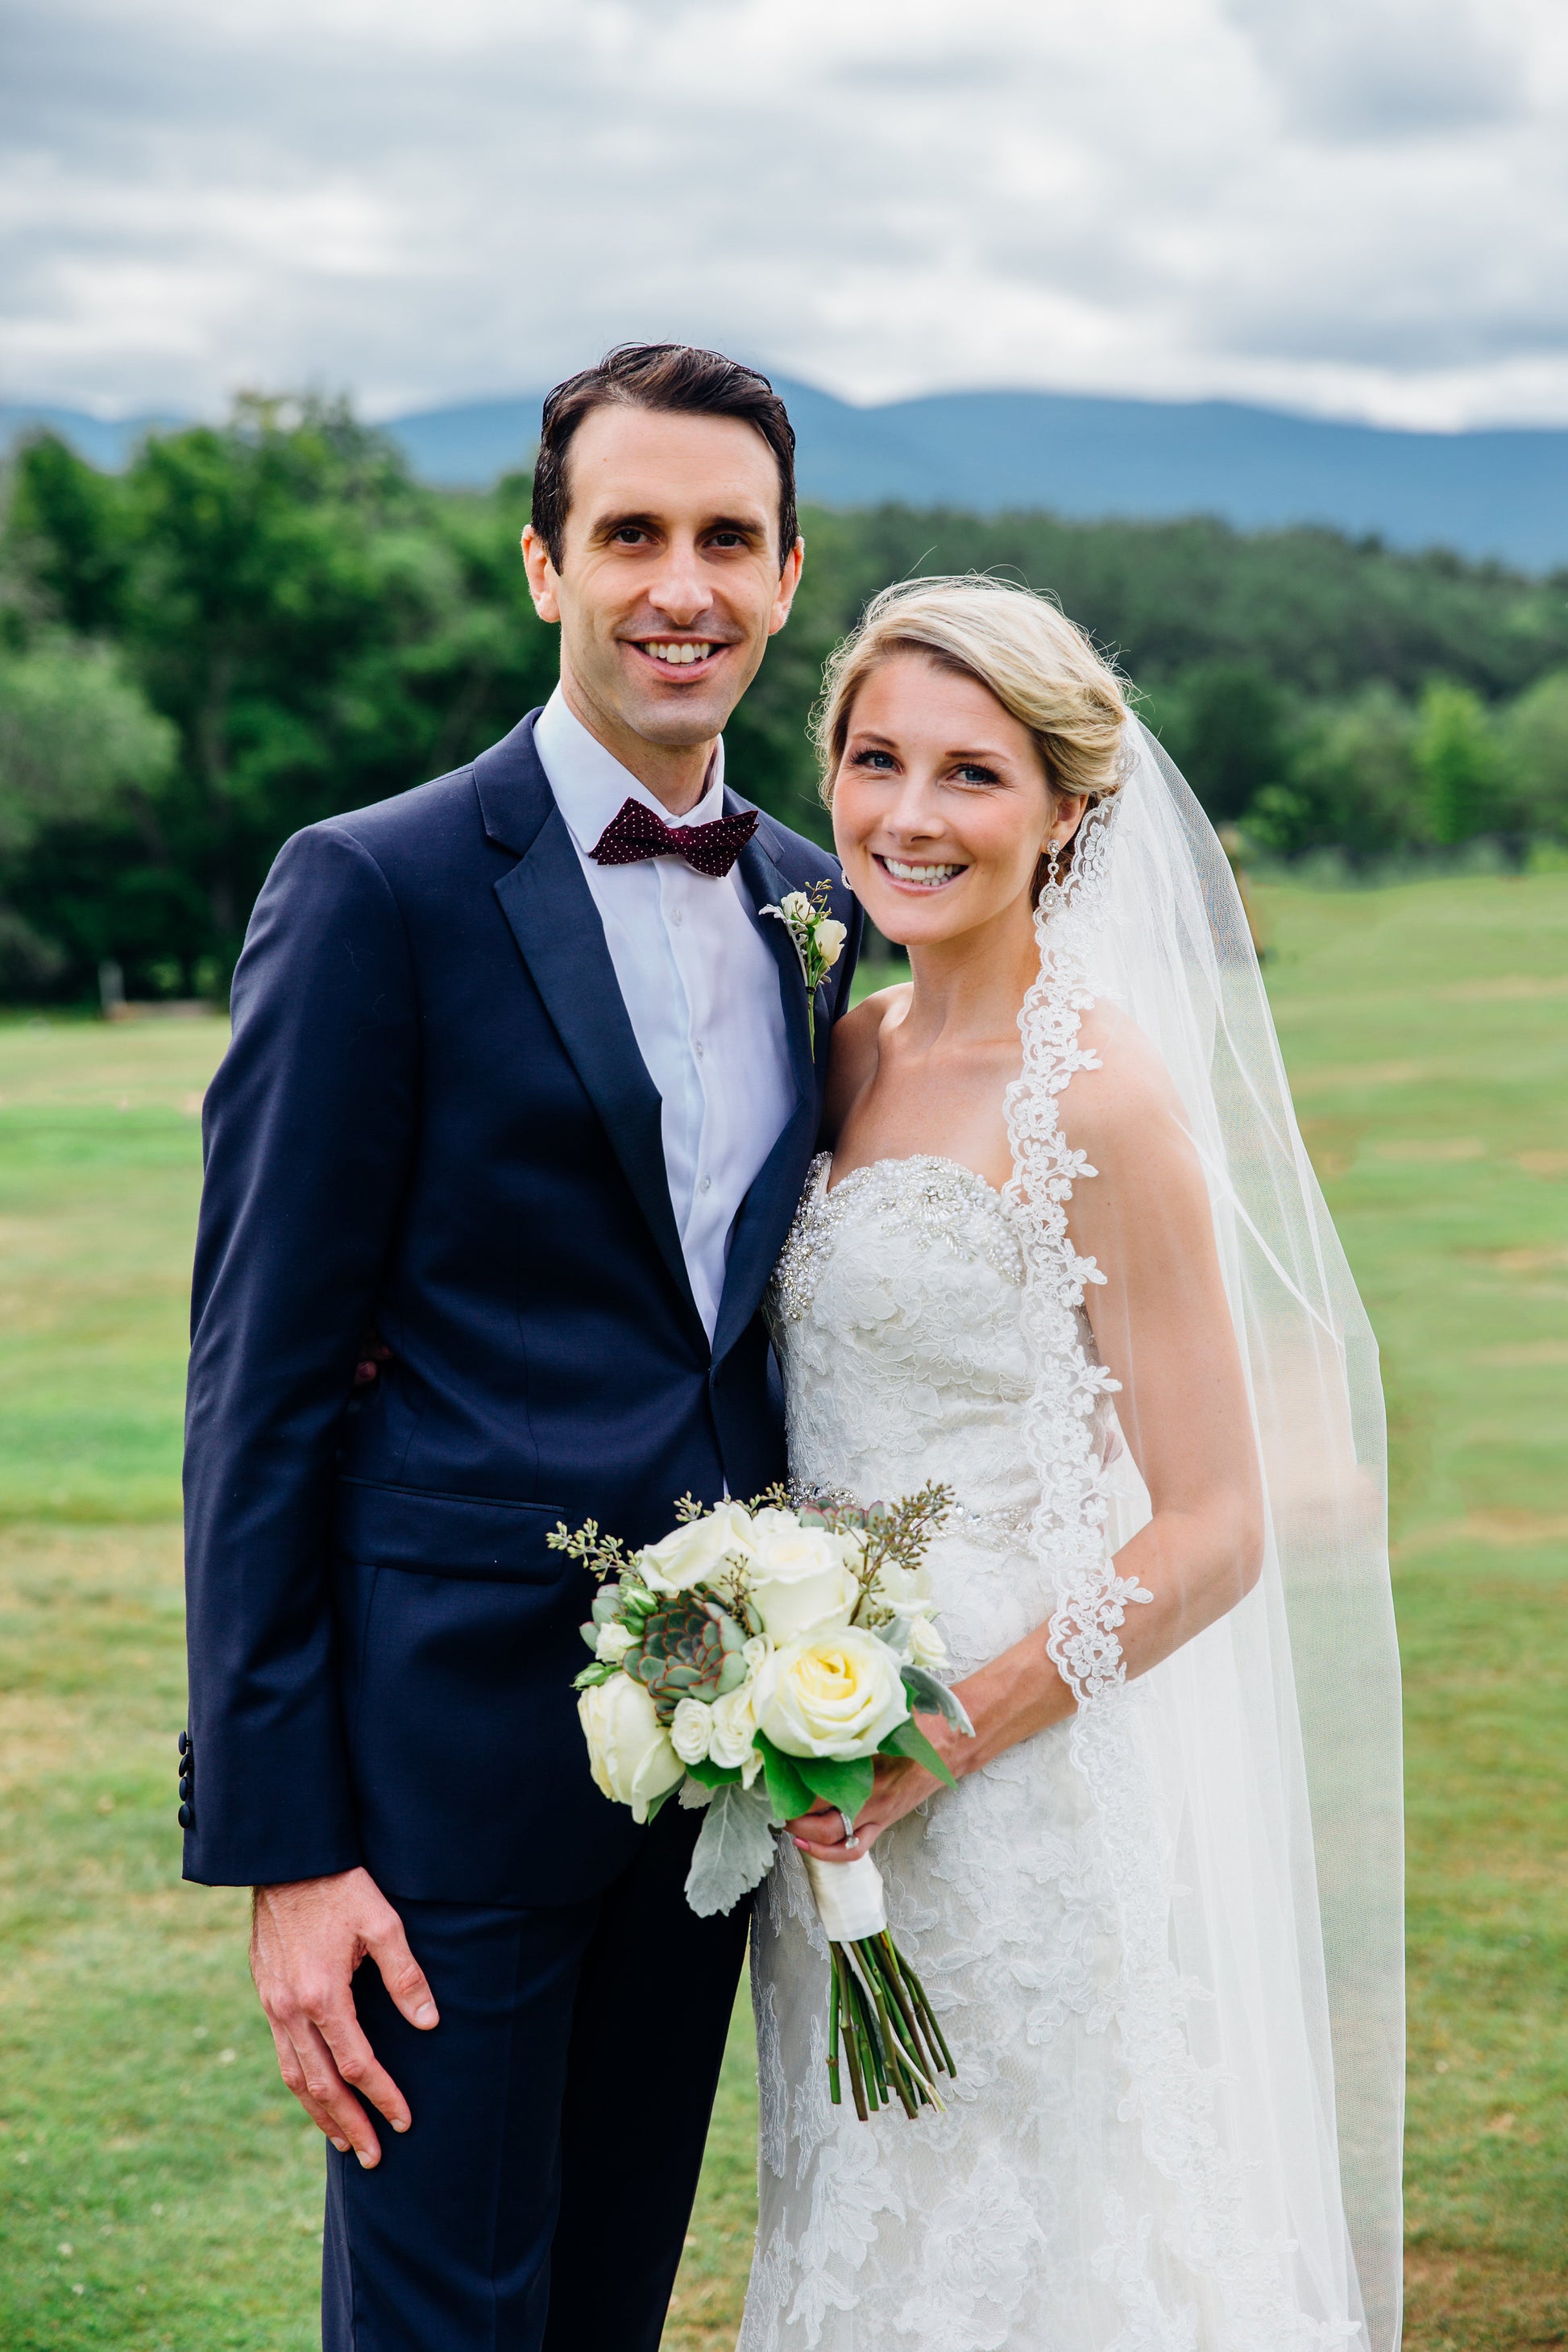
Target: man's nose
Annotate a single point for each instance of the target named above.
(681, 588)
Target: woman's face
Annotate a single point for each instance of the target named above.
(941, 806)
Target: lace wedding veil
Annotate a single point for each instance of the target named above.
(1249, 1788)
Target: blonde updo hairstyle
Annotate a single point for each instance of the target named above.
(1039, 665)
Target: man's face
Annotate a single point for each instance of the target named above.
(669, 585)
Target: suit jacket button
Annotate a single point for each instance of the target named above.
(185, 1817)
(184, 1784)
(185, 1741)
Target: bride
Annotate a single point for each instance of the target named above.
(1067, 1255)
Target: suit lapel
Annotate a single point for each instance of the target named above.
(550, 909)
(766, 886)
(765, 1213)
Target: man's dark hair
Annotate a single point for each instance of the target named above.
(676, 378)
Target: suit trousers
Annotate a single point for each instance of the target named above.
(539, 2199)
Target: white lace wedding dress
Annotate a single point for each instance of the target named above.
(1096, 2184)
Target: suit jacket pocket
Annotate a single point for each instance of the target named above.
(447, 1534)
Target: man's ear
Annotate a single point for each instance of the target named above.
(789, 581)
(542, 575)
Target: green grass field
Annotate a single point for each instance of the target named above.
(159, 2189)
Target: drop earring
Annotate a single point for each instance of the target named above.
(1053, 865)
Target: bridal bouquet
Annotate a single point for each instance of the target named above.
(756, 1658)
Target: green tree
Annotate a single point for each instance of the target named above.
(319, 632)
(1534, 757)
(1456, 761)
(1226, 725)
(81, 756)
(1353, 784)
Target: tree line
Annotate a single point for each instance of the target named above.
(259, 624)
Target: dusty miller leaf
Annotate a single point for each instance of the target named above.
(735, 1851)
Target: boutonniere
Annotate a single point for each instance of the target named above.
(818, 940)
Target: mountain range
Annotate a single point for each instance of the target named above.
(1499, 493)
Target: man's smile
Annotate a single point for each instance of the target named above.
(682, 656)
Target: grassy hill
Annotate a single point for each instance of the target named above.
(161, 2192)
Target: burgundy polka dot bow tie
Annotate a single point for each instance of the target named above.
(636, 832)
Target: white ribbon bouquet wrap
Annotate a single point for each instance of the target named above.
(759, 1657)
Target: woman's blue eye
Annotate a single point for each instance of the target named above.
(872, 759)
(971, 774)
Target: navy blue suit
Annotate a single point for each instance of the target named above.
(434, 1120)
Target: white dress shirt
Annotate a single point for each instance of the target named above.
(701, 986)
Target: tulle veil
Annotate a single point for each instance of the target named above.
(1249, 1786)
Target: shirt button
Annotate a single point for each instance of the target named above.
(697, 1047)
(675, 914)
(706, 1185)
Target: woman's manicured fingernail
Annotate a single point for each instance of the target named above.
(803, 1845)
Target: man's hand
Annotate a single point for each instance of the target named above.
(306, 1941)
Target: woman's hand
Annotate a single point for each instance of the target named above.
(900, 1785)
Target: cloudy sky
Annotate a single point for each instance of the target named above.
(1358, 207)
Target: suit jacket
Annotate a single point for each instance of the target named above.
(433, 1117)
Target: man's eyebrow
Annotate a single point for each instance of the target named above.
(607, 525)
(751, 527)
(744, 526)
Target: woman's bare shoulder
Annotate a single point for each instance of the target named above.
(1128, 1091)
(856, 1042)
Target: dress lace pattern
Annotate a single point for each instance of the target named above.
(1090, 2188)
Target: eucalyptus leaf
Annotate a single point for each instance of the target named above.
(929, 1696)
(734, 1850)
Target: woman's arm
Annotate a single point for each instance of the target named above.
(1163, 1330)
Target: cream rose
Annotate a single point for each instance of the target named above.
(614, 1641)
(732, 1721)
(629, 1756)
(690, 1730)
(830, 938)
(800, 1577)
(927, 1647)
(831, 1694)
(690, 1554)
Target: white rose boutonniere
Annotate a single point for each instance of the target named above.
(819, 938)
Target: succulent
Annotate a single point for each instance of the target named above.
(690, 1648)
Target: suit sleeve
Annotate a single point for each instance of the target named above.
(307, 1133)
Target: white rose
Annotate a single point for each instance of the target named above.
(629, 1756)
(691, 1554)
(614, 1641)
(690, 1730)
(830, 936)
(800, 1577)
(733, 1730)
(832, 1694)
(927, 1647)
(907, 1591)
(795, 903)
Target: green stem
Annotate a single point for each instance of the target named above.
(834, 2089)
(851, 2045)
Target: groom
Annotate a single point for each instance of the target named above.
(521, 1079)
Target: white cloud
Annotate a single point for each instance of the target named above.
(1354, 206)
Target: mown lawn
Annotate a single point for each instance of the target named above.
(159, 2189)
